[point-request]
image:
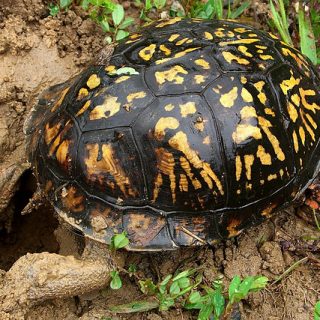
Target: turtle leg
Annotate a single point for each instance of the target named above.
(313, 195)
(37, 277)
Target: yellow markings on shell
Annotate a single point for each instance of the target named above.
(309, 129)
(238, 167)
(165, 165)
(93, 81)
(147, 52)
(260, 51)
(295, 99)
(51, 132)
(219, 34)
(199, 79)
(302, 135)
(54, 145)
(300, 61)
(187, 108)
(110, 68)
(260, 47)
(208, 35)
(266, 57)
(289, 84)
(281, 172)
(293, 113)
(243, 80)
(248, 162)
(165, 50)
(265, 125)
(232, 228)
(177, 55)
(107, 109)
(62, 152)
(228, 99)
(206, 140)
(157, 185)
(60, 100)
(187, 168)
(199, 124)
(122, 79)
(135, 36)
(83, 92)
(107, 163)
(230, 57)
(272, 177)
(168, 22)
(163, 124)
(183, 183)
(202, 63)
(269, 111)
(246, 95)
(136, 95)
(311, 120)
(244, 50)
(265, 157)
(305, 93)
(239, 41)
(84, 108)
(261, 96)
(295, 141)
(248, 112)
(171, 75)
(245, 131)
(241, 30)
(182, 41)
(180, 142)
(169, 107)
(173, 37)
(273, 36)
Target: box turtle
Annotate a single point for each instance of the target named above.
(194, 131)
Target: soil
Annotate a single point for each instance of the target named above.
(36, 51)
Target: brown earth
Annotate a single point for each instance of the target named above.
(36, 51)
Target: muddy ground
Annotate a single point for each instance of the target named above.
(36, 51)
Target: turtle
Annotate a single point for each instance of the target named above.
(193, 131)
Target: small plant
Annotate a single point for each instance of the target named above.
(148, 5)
(308, 21)
(213, 9)
(187, 289)
(107, 14)
(317, 311)
(119, 241)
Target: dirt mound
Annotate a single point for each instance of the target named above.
(37, 51)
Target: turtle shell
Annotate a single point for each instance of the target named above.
(194, 131)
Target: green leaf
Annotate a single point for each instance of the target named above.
(119, 241)
(117, 14)
(126, 23)
(233, 287)
(135, 306)
(85, 4)
(195, 297)
(307, 39)
(174, 288)
(121, 34)
(126, 70)
(183, 282)
(147, 286)
(104, 25)
(159, 4)
(239, 11)
(116, 282)
(65, 3)
(148, 5)
(317, 311)
(218, 302)
(259, 283)
(205, 312)
(53, 9)
(218, 8)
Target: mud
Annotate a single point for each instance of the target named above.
(36, 51)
